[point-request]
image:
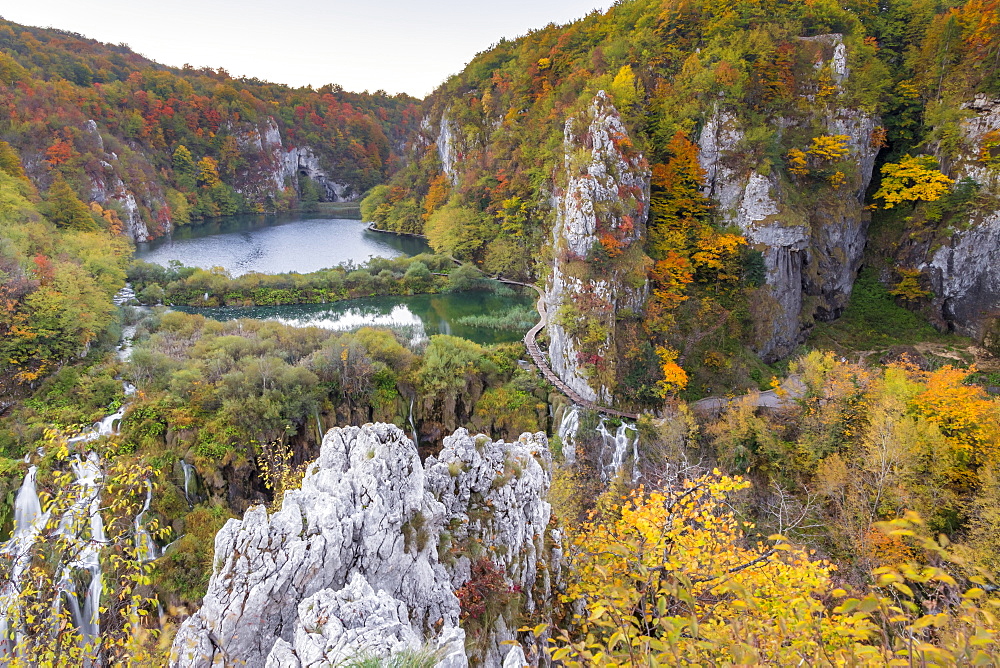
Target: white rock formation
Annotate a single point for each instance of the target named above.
(351, 562)
(304, 161)
(607, 190)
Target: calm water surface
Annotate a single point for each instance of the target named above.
(276, 244)
(416, 318)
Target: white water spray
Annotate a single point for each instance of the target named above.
(413, 426)
(568, 427)
(188, 473)
(145, 546)
(616, 451)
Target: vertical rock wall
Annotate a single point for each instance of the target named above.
(606, 192)
(963, 271)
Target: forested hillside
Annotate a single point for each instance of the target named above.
(161, 146)
(767, 231)
(752, 142)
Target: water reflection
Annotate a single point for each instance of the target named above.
(416, 318)
(274, 244)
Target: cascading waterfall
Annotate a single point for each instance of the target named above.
(413, 426)
(145, 546)
(85, 511)
(568, 427)
(188, 472)
(621, 447)
(616, 449)
(29, 520)
(107, 426)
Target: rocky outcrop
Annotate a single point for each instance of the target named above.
(606, 195)
(963, 271)
(303, 161)
(447, 146)
(811, 254)
(270, 167)
(367, 554)
(109, 190)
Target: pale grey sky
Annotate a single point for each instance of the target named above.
(393, 45)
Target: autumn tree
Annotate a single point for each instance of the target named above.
(65, 209)
(208, 173)
(185, 170)
(437, 195)
(912, 179)
(670, 577)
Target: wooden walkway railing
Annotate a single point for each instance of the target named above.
(531, 343)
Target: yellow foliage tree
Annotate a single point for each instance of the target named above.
(829, 147)
(623, 88)
(909, 285)
(912, 180)
(674, 377)
(797, 162)
(669, 579)
(963, 412)
(208, 172)
(437, 195)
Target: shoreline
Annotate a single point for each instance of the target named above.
(372, 228)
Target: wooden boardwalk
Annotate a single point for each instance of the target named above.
(531, 343)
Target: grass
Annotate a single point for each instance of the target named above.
(408, 658)
(874, 321)
(516, 319)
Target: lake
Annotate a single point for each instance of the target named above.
(416, 318)
(274, 244)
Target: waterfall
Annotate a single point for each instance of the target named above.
(29, 520)
(413, 426)
(27, 509)
(621, 447)
(107, 426)
(124, 296)
(568, 427)
(86, 508)
(145, 546)
(616, 449)
(188, 471)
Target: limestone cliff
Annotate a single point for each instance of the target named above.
(605, 196)
(962, 271)
(365, 557)
(811, 254)
(142, 207)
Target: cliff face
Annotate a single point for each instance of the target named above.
(365, 557)
(811, 254)
(963, 270)
(605, 196)
(141, 207)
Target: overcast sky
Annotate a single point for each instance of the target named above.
(393, 45)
